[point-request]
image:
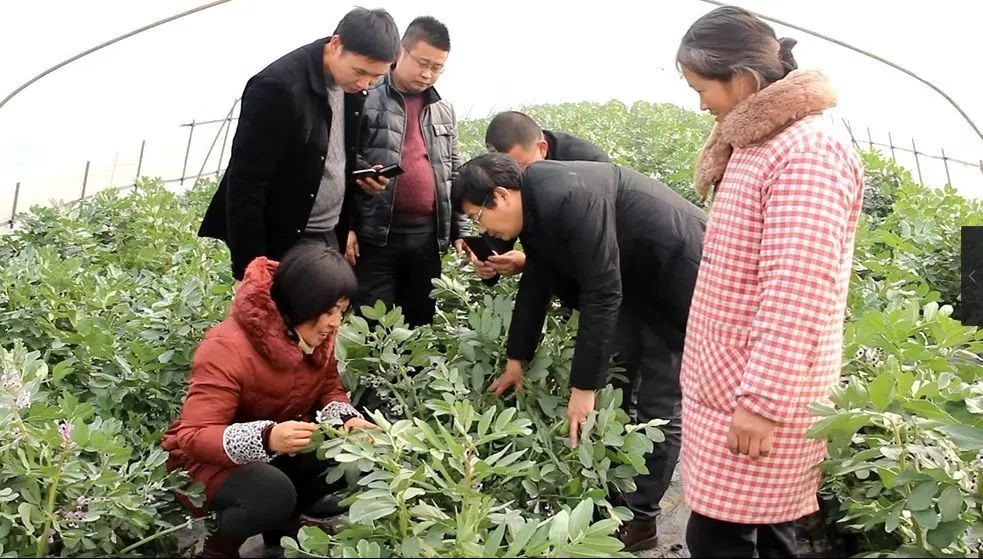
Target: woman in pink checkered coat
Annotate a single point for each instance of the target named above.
(765, 329)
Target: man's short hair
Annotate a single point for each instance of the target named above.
(371, 33)
(478, 178)
(510, 129)
(428, 30)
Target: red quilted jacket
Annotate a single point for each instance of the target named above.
(247, 374)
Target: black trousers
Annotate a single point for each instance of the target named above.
(261, 498)
(400, 274)
(650, 392)
(707, 537)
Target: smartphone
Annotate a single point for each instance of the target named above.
(479, 247)
(364, 174)
(389, 171)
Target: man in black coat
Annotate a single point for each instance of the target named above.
(626, 249)
(521, 138)
(289, 178)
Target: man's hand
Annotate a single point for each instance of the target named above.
(510, 378)
(580, 406)
(291, 436)
(750, 434)
(351, 248)
(235, 286)
(359, 423)
(482, 269)
(508, 264)
(373, 185)
(459, 246)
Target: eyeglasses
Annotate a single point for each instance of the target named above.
(435, 68)
(477, 217)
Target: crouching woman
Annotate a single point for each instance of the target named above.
(259, 381)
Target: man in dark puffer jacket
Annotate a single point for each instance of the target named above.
(402, 228)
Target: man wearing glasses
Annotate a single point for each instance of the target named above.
(521, 138)
(622, 248)
(403, 225)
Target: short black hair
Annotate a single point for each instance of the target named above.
(478, 178)
(509, 129)
(428, 30)
(371, 33)
(309, 282)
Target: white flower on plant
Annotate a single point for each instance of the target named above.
(65, 430)
(10, 380)
(75, 515)
(23, 399)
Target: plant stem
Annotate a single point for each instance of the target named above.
(399, 397)
(404, 519)
(160, 534)
(42, 547)
(919, 538)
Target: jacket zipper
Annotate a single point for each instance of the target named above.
(402, 140)
(436, 211)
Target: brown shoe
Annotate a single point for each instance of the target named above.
(219, 546)
(638, 536)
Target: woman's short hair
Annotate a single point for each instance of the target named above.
(309, 282)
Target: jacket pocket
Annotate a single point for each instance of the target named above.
(443, 138)
(721, 359)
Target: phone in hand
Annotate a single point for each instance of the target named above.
(479, 246)
(389, 171)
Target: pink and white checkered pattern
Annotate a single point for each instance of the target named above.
(766, 322)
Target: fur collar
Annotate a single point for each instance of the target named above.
(760, 117)
(257, 315)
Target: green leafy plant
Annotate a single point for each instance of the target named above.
(103, 303)
(455, 470)
(905, 428)
(70, 484)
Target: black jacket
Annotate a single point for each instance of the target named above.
(560, 146)
(564, 147)
(263, 203)
(381, 141)
(614, 238)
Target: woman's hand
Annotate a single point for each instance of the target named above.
(750, 434)
(359, 423)
(291, 436)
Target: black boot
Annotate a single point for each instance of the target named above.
(638, 535)
(220, 546)
(327, 506)
(271, 538)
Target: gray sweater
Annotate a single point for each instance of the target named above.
(331, 193)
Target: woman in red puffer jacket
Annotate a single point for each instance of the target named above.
(260, 381)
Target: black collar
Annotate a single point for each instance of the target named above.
(430, 94)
